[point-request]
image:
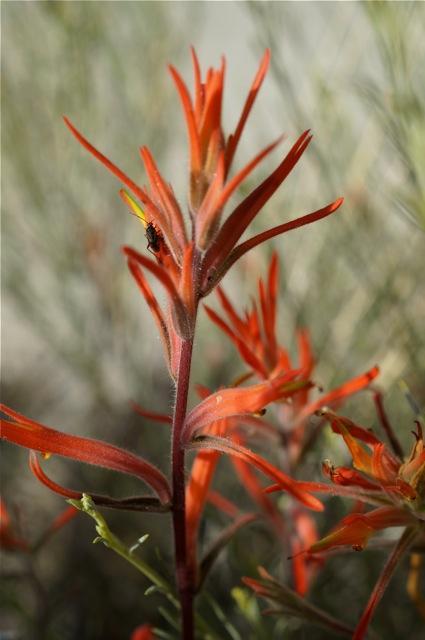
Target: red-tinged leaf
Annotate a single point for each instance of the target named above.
(237, 402)
(157, 270)
(180, 311)
(138, 503)
(194, 142)
(36, 469)
(240, 326)
(392, 563)
(247, 355)
(33, 435)
(340, 393)
(140, 193)
(246, 211)
(237, 179)
(246, 246)
(255, 87)
(286, 483)
(153, 304)
(151, 415)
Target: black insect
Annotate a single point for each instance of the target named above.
(153, 237)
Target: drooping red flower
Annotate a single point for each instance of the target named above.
(189, 263)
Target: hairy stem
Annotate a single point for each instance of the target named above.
(185, 581)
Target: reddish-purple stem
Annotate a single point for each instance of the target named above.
(386, 425)
(185, 581)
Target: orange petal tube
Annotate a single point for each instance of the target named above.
(356, 529)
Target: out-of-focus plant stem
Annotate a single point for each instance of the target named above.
(184, 579)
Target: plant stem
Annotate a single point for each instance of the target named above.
(185, 583)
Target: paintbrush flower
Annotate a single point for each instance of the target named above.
(193, 251)
(254, 334)
(379, 477)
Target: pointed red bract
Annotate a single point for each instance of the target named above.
(247, 245)
(246, 211)
(255, 87)
(340, 393)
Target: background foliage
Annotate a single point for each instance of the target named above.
(78, 343)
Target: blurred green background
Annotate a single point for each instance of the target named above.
(78, 343)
